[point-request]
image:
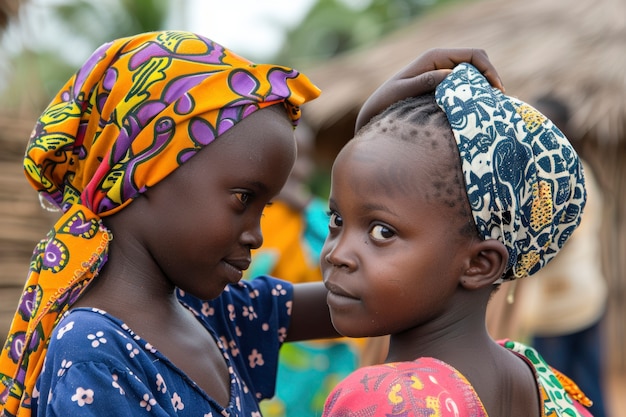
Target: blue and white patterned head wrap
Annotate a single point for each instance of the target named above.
(523, 178)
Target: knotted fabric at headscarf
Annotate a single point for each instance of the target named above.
(523, 178)
(139, 108)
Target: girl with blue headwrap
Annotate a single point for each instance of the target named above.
(435, 202)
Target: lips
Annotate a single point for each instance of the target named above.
(235, 268)
(338, 297)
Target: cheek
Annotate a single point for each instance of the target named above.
(324, 264)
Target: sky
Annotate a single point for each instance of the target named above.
(252, 28)
(249, 27)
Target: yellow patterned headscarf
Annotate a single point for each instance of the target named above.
(139, 108)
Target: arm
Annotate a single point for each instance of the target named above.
(422, 75)
(310, 317)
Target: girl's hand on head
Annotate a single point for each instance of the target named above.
(422, 76)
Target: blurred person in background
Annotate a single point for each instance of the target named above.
(566, 301)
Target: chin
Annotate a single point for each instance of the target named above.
(352, 331)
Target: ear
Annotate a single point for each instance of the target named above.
(486, 265)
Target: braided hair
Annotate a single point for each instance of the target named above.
(420, 121)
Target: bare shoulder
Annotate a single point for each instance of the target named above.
(517, 388)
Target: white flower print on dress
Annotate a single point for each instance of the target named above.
(232, 345)
(231, 312)
(282, 334)
(147, 402)
(248, 311)
(116, 384)
(83, 396)
(207, 309)
(132, 351)
(97, 339)
(177, 402)
(160, 383)
(279, 290)
(65, 365)
(234, 349)
(69, 326)
(255, 358)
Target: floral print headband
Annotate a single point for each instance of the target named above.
(523, 178)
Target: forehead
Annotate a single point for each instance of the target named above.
(262, 143)
(378, 163)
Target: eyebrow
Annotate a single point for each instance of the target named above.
(379, 207)
(369, 207)
(257, 185)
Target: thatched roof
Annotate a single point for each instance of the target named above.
(575, 49)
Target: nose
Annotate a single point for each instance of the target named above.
(252, 236)
(336, 253)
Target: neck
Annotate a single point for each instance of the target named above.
(456, 336)
(130, 286)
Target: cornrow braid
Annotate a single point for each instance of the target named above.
(421, 121)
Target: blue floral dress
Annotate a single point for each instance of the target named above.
(97, 366)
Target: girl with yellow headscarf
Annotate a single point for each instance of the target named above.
(137, 110)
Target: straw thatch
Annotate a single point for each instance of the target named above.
(575, 50)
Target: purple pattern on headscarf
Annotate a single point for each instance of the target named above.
(278, 80)
(154, 50)
(244, 84)
(29, 302)
(86, 69)
(164, 130)
(17, 345)
(53, 255)
(184, 104)
(66, 298)
(182, 85)
(201, 131)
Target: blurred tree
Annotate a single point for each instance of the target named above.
(83, 25)
(335, 26)
(101, 21)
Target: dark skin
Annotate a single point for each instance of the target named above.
(146, 264)
(420, 76)
(200, 246)
(383, 266)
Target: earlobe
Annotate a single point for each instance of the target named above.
(487, 264)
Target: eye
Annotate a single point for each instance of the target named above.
(334, 220)
(243, 197)
(381, 232)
